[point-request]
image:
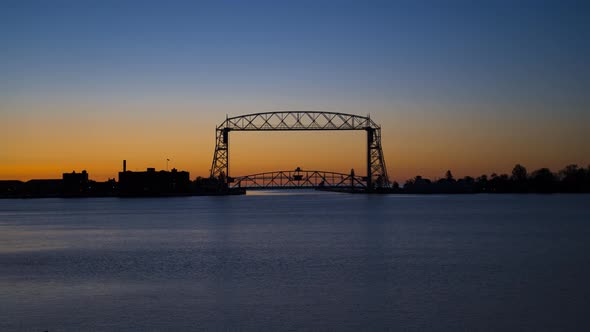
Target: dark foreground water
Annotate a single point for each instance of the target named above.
(303, 260)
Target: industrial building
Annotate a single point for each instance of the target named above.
(153, 183)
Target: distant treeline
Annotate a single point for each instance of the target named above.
(571, 179)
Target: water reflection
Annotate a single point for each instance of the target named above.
(308, 260)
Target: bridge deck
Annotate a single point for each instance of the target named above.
(298, 179)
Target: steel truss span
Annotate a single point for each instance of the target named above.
(301, 120)
(299, 179)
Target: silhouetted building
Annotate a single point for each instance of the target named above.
(43, 188)
(154, 183)
(75, 184)
(103, 189)
(11, 188)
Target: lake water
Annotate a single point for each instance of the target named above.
(296, 260)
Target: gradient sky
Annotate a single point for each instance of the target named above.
(471, 86)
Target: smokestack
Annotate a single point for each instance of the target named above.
(124, 165)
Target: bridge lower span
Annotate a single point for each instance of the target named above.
(300, 179)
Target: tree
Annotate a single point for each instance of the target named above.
(519, 173)
(482, 183)
(543, 180)
(449, 176)
(499, 183)
(572, 178)
(518, 179)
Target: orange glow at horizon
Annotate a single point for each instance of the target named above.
(255, 152)
(81, 137)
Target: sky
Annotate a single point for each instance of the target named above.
(471, 86)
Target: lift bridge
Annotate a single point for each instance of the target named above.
(376, 176)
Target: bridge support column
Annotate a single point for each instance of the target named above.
(226, 142)
(370, 132)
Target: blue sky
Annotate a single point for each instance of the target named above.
(488, 59)
(379, 49)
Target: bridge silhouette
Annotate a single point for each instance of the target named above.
(299, 178)
(376, 176)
